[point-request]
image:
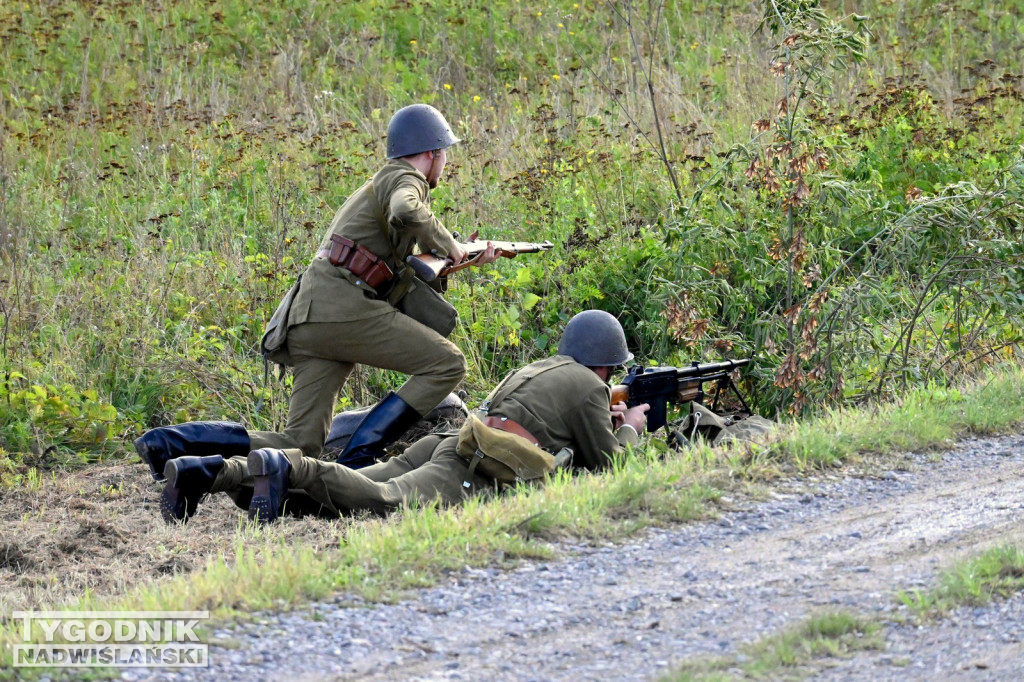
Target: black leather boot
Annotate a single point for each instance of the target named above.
(188, 480)
(388, 420)
(450, 412)
(269, 469)
(197, 439)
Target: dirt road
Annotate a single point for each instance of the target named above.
(635, 611)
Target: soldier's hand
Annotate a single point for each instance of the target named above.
(635, 417)
(618, 414)
(489, 255)
(457, 254)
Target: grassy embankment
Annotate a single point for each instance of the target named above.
(283, 566)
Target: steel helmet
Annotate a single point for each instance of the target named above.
(418, 128)
(595, 338)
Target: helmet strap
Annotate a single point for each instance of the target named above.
(432, 178)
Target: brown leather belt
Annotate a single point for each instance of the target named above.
(357, 259)
(508, 426)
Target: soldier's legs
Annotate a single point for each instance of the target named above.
(325, 354)
(416, 455)
(441, 479)
(319, 375)
(395, 341)
(391, 341)
(234, 480)
(158, 446)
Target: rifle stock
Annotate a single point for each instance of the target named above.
(661, 386)
(429, 267)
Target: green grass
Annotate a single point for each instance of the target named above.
(165, 169)
(789, 654)
(927, 417)
(977, 581)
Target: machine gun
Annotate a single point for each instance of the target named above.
(659, 386)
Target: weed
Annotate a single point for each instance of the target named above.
(976, 581)
(789, 653)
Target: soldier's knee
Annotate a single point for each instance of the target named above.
(312, 450)
(456, 365)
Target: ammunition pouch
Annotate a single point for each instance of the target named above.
(357, 259)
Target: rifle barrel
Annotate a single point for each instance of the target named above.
(510, 247)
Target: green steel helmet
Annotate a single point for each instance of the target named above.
(595, 338)
(418, 128)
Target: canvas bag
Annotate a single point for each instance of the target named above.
(716, 430)
(504, 457)
(429, 308)
(274, 345)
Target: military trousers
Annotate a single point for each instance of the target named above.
(429, 471)
(325, 353)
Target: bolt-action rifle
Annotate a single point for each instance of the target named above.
(429, 267)
(659, 386)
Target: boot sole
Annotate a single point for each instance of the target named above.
(261, 509)
(173, 504)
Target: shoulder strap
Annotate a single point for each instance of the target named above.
(519, 377)
(405, 274)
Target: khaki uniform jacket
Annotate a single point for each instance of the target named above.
(400, 195)
(562, 404)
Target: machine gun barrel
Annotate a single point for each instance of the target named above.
(698, 369)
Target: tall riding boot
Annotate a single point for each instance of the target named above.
(197, 439)
(388, 420)
(189, 479)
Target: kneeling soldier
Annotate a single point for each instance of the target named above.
(345, 314)
(558, 405)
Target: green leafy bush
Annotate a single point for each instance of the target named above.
(837, 196)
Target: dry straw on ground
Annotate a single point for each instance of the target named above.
(99, 530)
